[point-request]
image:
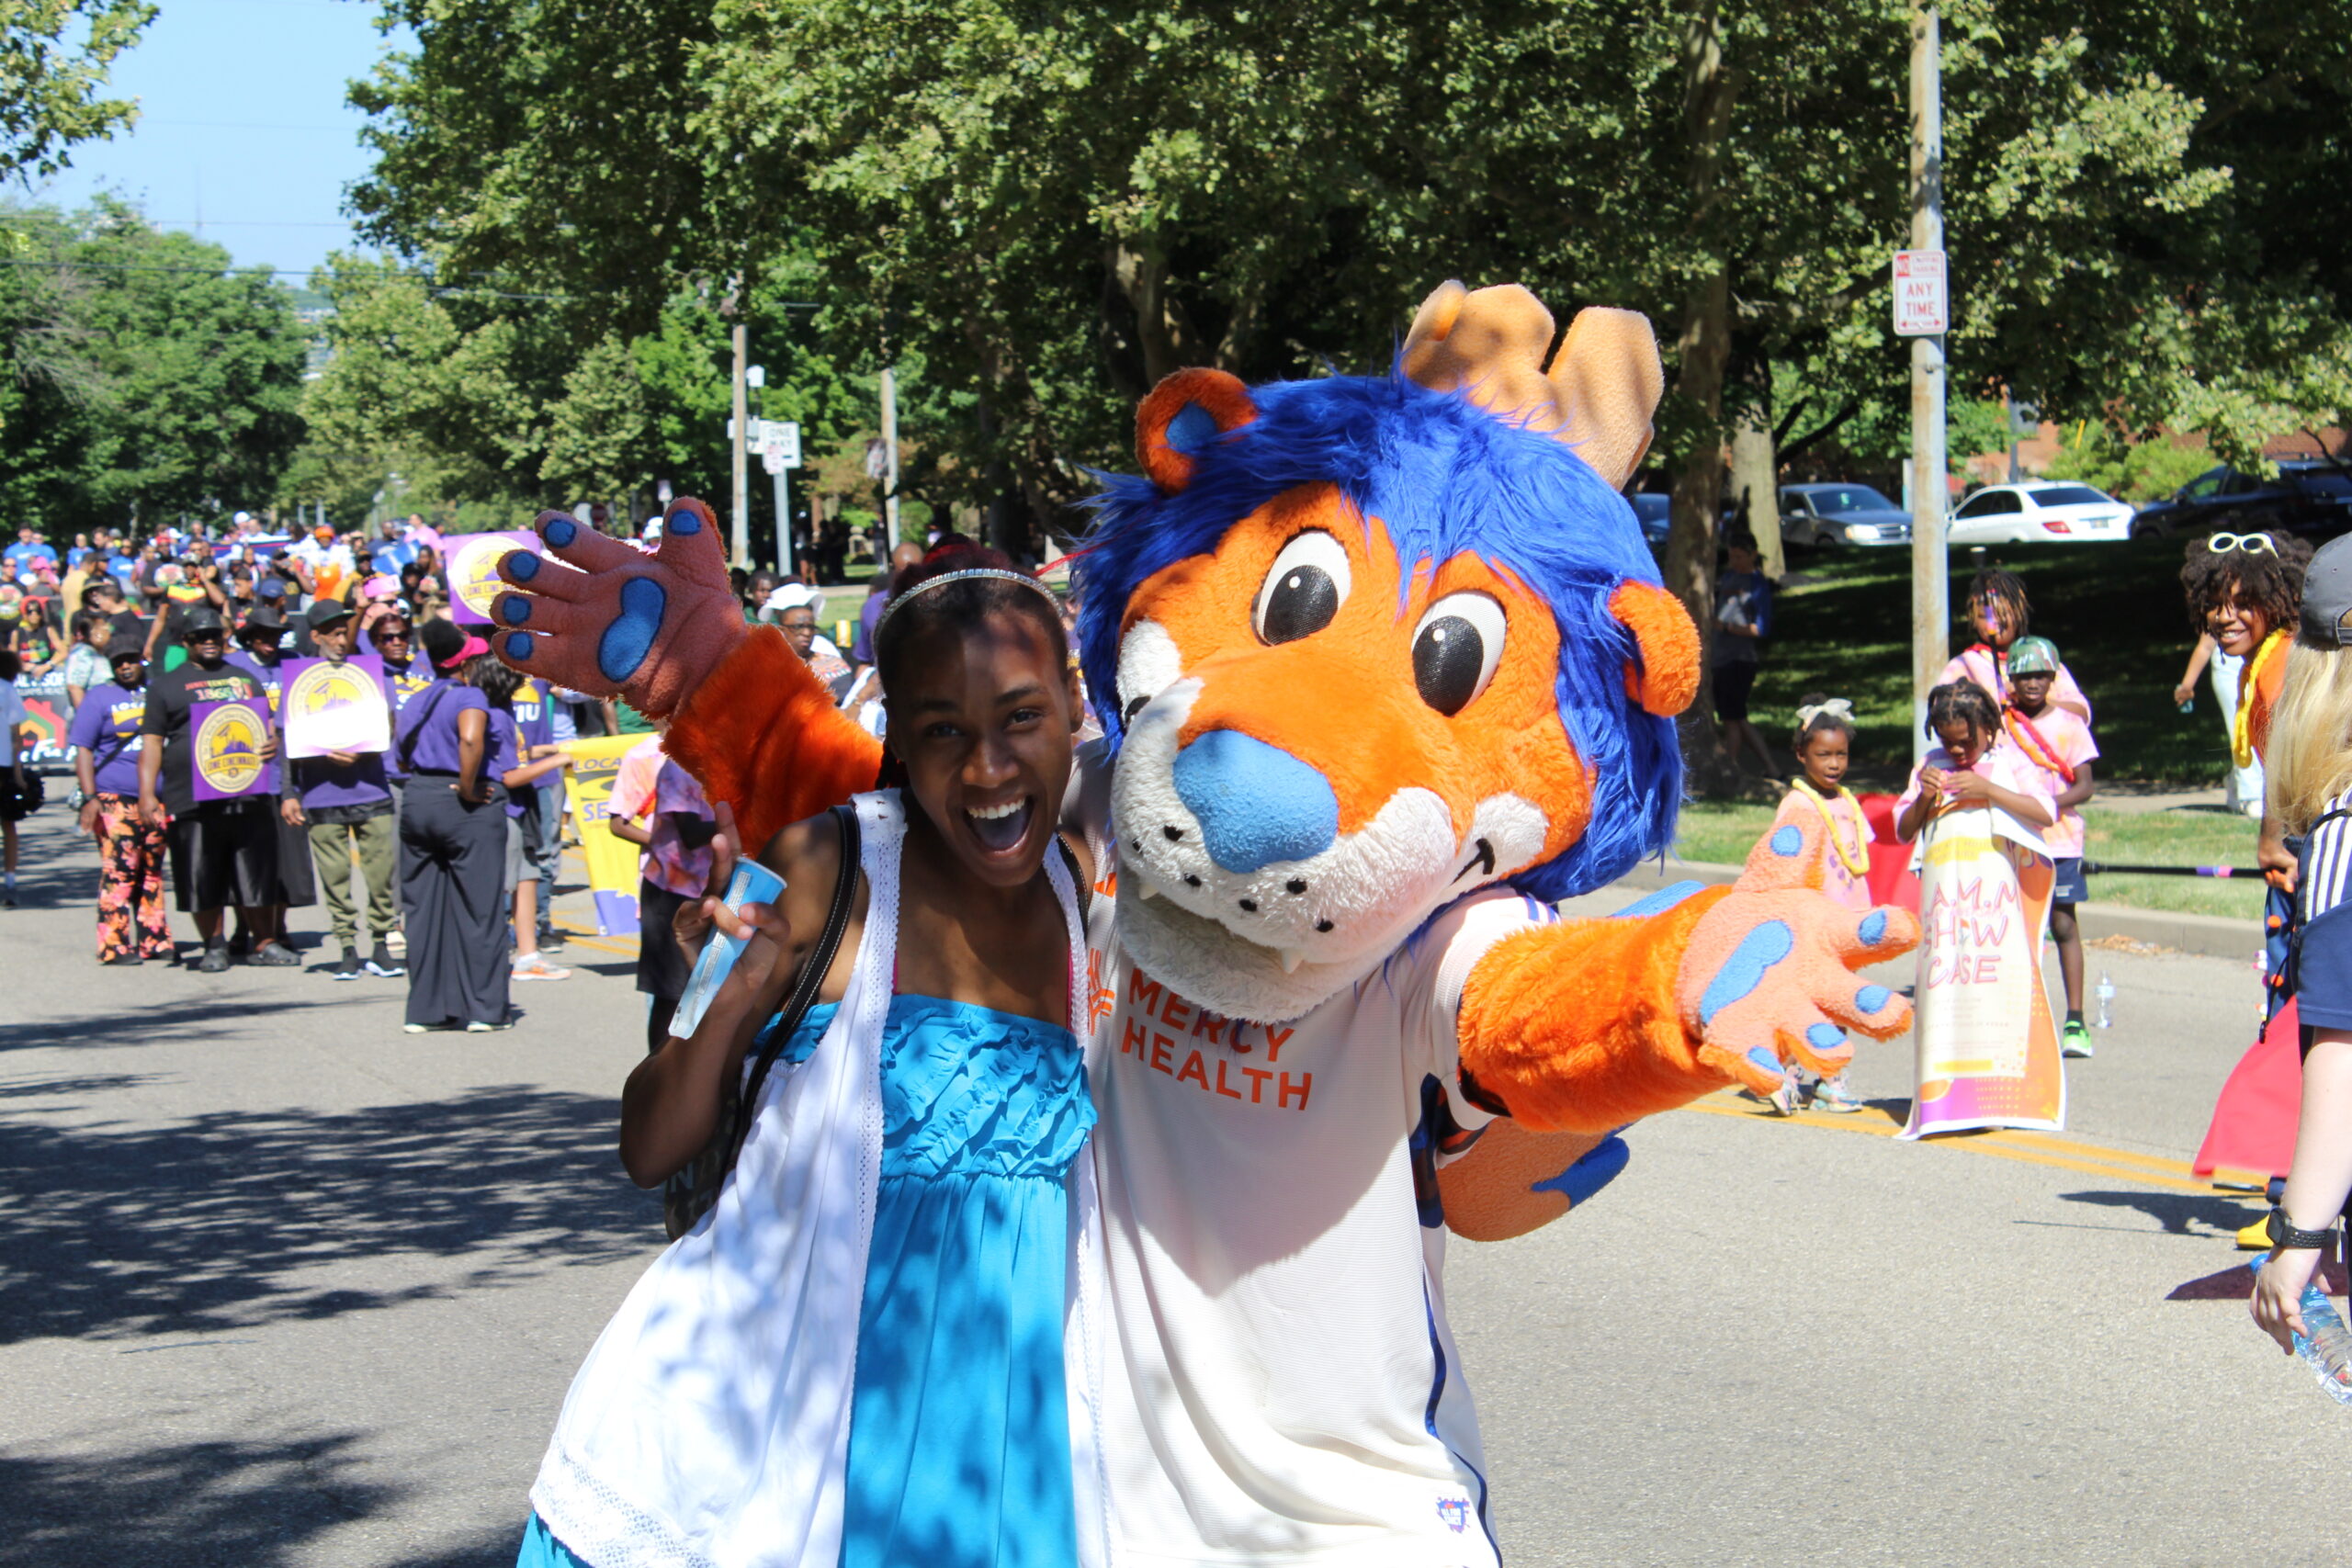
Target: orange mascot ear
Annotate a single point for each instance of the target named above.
(1666, 677)
(1184, 413)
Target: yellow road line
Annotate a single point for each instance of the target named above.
(2032, 1148)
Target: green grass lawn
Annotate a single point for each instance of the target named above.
(2114, 610)
(1723, 833)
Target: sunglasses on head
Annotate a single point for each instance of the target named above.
(2222, 544)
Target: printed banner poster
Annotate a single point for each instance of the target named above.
(1986, 1042)
(327, 706)
(612, 862)
(227, 739)
(45, 715)
(473, 571)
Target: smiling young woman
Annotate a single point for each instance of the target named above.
(921, 1129)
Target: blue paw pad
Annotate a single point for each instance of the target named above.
(1824, 1037)
(1787, 840)
(515, 609)
(560, 531)
(519, 646)
(685, 520)
(1757, 951)
(1872, 929)
(630, 637)
(1764, 1058)
(523, 566)
(1872, 999)
(1603, 1163)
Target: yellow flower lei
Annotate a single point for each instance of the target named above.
(1857, 864)
(2240, 730)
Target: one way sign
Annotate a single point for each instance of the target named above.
(1922, 307)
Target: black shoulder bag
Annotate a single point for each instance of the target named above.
(688, 1195)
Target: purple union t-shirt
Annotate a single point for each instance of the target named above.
(107, 726)
(431, 717)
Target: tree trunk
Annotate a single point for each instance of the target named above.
(1163, 329)
(1702, 350)
(1756, 481)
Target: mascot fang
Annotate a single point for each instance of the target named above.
(1385, 671)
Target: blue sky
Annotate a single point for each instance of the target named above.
(242, 124)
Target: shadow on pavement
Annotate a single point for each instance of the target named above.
(167, 1022)
(2180, 1214)
(200, 1505)
(212, 1223)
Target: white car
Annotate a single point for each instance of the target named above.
(2052, 512)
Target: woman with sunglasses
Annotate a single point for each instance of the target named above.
(2245, 591)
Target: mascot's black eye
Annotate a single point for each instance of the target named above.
(1455, 650)
(1304, 589)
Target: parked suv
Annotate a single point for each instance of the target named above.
(2308, 497)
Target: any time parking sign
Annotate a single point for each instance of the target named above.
(1922, 308)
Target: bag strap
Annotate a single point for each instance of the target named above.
(812, 978)
(1077, 880)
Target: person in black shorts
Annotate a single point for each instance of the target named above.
(223, 851)
(1742, 620)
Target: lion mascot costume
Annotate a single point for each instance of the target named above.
(1384, 672)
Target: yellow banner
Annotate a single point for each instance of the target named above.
(612, 862)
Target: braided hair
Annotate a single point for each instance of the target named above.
(1996, 587)
(1963, 702)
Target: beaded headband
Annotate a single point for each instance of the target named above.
(967, 575)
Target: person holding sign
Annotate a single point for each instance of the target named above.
(205, 772)
(345, 801)
(1987, 1049)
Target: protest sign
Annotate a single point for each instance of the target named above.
(331, 706)
(46, 715)
(612, 862)
(1986, 1043)
(474, 582)
(226, 763)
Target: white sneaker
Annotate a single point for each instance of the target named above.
(532, 966)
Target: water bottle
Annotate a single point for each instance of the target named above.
(2106, 995)
(2326, 1347)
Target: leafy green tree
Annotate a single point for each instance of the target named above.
(153, 379)
(54, 60)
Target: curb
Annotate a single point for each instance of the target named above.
(2213, 935)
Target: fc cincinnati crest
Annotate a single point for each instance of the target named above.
(228, 749)
(1455, 1512)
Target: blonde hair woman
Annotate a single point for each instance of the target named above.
(2308, 759)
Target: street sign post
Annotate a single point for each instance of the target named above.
(1922, 304)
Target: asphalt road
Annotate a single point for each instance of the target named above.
(281, 1285)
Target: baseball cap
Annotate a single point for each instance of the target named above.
(271, 588)
(326, 612)
(2327, 594)
(124, 648)
(242, 518)
(202, 621)
(2033, 655)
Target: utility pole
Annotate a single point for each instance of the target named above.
(889, 461)
(741, 523)
(1930, 590)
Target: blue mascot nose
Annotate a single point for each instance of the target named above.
(1256, 804)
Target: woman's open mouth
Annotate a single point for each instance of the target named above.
(1000, 829)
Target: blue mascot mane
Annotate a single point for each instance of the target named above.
(1445, 477)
